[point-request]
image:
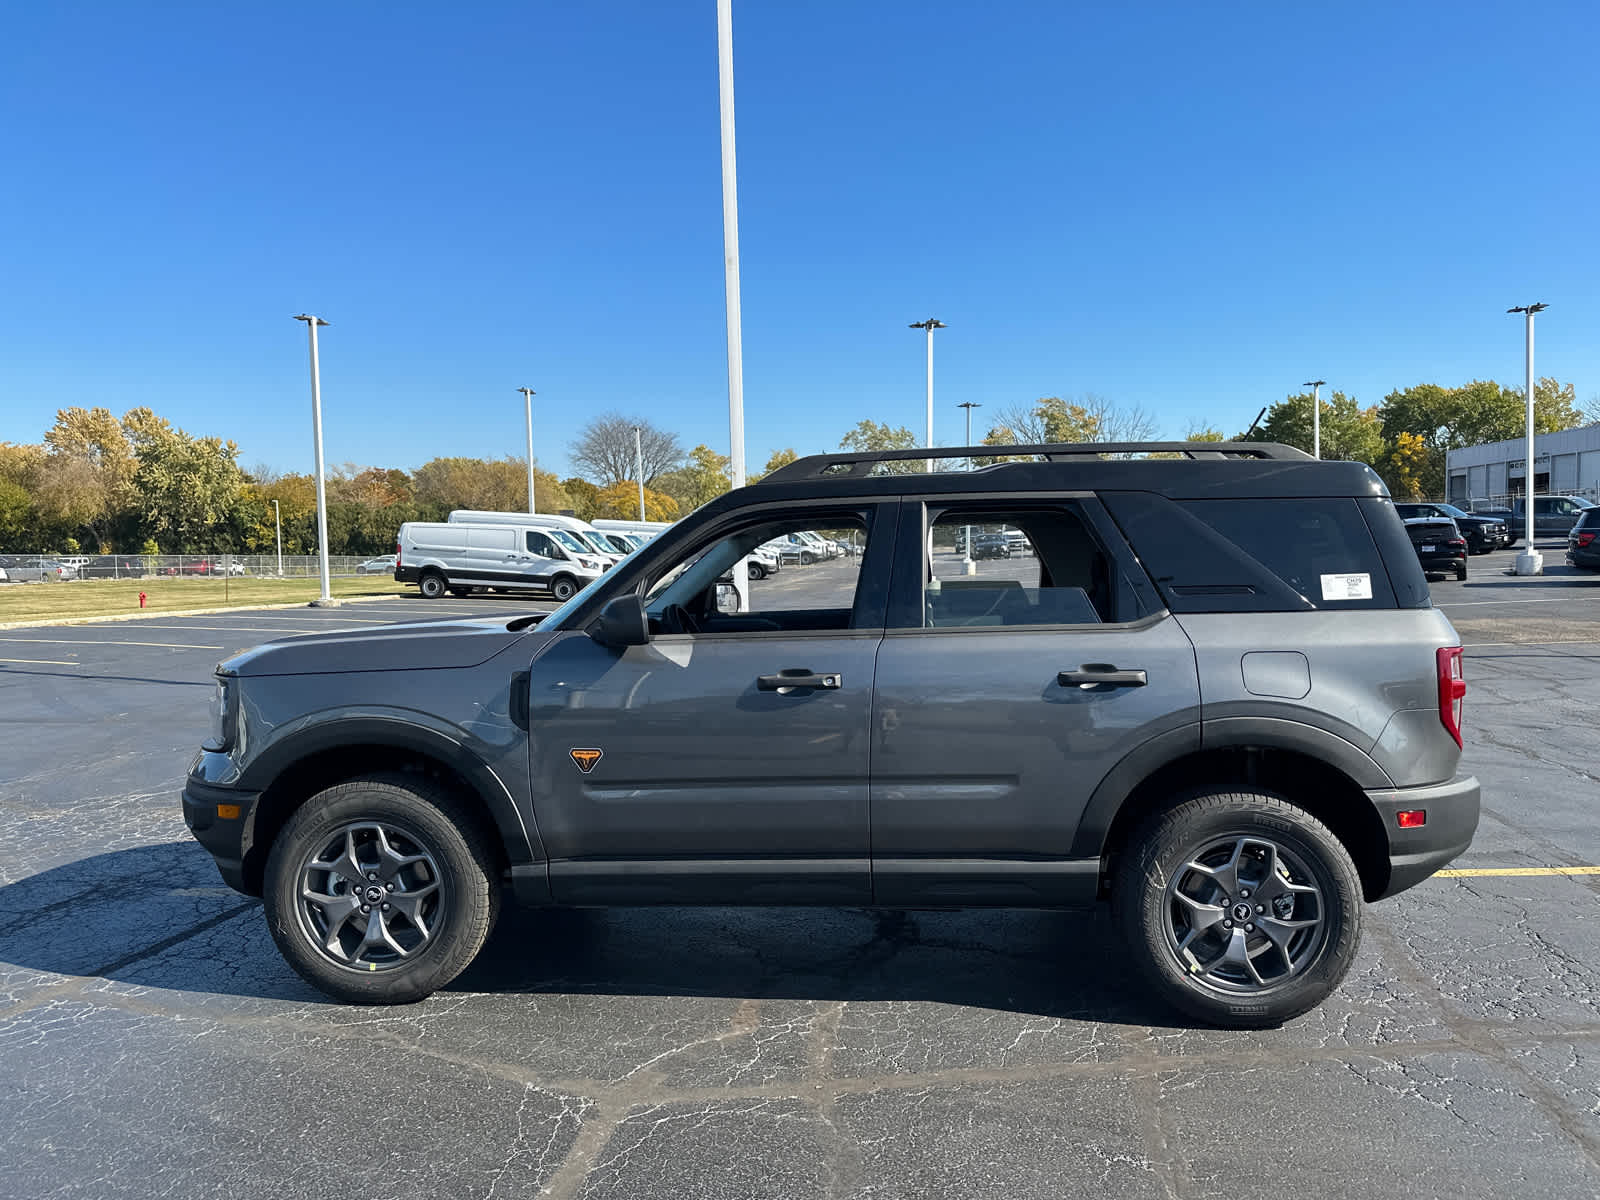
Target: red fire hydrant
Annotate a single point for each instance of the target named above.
(141, 599)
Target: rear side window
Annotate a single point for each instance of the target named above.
(1259, 555)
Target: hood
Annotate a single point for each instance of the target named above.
(423, 646)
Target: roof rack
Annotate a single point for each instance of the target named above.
(847, 465)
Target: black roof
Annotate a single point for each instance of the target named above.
(1201, 470)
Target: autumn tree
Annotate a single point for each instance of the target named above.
(605, 449)
(1349, 432)
(704, 477)
(1204, 433)
(583, 497)
(621, 502)
(1405, 465)
(186, 488)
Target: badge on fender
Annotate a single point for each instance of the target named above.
(586, 759)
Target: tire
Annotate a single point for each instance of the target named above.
(1461, 573)
(807, 558)
(456, 896)
(757, 571)
(1162, 878)
(563, 588)
(432, 585)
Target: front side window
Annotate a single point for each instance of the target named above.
(695, 595)
(541, 545)
(1029, 566)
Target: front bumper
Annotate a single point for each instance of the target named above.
(226, 838)
(1415, 854)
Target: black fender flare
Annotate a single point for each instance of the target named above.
(1220, 734)
(402, 735)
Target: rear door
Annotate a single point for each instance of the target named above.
(1005, 696)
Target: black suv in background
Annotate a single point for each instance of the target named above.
(1483, 533)
(1583, 542)
(1441, 548)
(1217, 698)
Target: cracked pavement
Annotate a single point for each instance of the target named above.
(152, 1042)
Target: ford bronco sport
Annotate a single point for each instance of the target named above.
(1218, 698)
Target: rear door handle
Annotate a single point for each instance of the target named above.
(786, 681)
(1093, 675)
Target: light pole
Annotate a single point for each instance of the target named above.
(277, 520)
(527, 396)
(930, 325)
(638, 467)
(730, 267)
(966, 558)
(1316, 415)
(316, 433)
(1530, 561)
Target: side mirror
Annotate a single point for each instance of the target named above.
(621, 623)
(726, 599)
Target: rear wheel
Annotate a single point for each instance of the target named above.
(1241, 909)
(380, 890)
(563, 588)
(1461, 571)
(432, 585)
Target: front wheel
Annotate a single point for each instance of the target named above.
(1242, 910)
(380, 890)
(563, 588)
(757, 571)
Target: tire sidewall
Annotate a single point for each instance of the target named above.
(563, 588)
(1168, 841)
(432, 585)
(467, 900)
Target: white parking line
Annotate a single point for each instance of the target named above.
(1476, 603)
(44, 662)
(1595, 641)
(105, 642)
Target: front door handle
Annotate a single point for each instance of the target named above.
(785, 682)
(1095, 675)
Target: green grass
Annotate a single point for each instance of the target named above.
(114, 597)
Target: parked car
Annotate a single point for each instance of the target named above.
(990, 545)
(382, 565)
(1224, 703)
(1583, 541)
(1483, 533)
(1500, 512)
(1441, 547)
(115, 566)
(1553, 516)
(4, 578)
(35, 570)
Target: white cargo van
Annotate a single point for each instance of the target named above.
(581, 536)
(461, 557)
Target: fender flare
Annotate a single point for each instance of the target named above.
(1220, 734)
(371, 730)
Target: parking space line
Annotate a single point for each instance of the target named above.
(1463, 872)
(1559, 642)
(104, 642)
(42, 662)
(1480, 603)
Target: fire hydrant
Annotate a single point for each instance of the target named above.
(141, 599)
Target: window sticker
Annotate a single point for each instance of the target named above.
(1347, 587)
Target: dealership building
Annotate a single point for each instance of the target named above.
(1564, 464)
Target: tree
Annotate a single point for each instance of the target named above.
(605, 449)
(1117, 424)
(1048, 419)
(90, 471)
(868, 437)
(186, 488)
(1349, 431)
(582, 497)
(1405, 465)
(16, 517)
(621, 501)
(499, 485)
(776, 460)
(704, 477)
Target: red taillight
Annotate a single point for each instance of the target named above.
(1452, 687)
(1585, 538)
(1411, 818)
(397, 555)
(1458, 541)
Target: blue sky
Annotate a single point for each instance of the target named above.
(1188, 207)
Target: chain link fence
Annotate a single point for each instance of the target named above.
(26, 568)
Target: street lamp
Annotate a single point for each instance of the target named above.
(527, 395)
(1530, 561)
(316, 433)
(966, 560)
(1316, 415)
(730, 266)
(930, 325)
(277, 520)
(638, 467)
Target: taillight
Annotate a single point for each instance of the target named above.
(397, 554)
(1458, 541)
(1585, 538)
(1452, 688)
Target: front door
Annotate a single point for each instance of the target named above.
(1006, 691)
(727, 760)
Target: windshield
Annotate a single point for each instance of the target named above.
(597, 543)
(1451, 510)
(572, 543)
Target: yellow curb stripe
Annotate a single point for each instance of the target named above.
(1465, 871)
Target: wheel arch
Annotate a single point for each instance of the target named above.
(291, 772)
(1310, 768)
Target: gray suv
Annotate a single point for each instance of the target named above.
(1216, 697)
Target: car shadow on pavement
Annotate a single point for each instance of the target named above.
(158, 916)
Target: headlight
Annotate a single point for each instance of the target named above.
(588, 564)
(224, 708)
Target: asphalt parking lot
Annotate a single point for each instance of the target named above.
(152, 1042)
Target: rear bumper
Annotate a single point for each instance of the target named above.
(225, 838)
(406, 574)
(1415, 854)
